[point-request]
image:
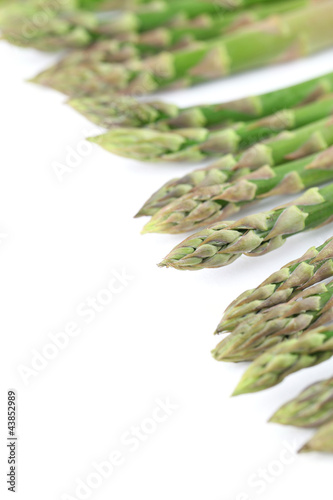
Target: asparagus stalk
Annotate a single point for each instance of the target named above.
(321, 441)
(32, 24)
(194, 144)
(164, 13)
(138, 45)
(144, 144)
(161, 13)
(46, 26)
(305, 141)
(269, 369)
(312, 408)
(204, 27)
(208, 205)
(119, 4)
(108, 111)
(254, 235)
(257, 334)
(287, 283)
(278, 38)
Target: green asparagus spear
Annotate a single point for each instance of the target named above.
(208, 205)
(258, 333)
(312, 408)
(146, 144)
(322, 441)
(109, 111)
(254, 235)
(288, 283)
(276, 39)
(196, 144)
(288, 146)
(204, 27)
(33, 24)
(162, 13)
(269, 369)
(47, 26)
(218, 173)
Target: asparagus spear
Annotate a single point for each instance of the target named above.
(120, 4)
(108, 111)
(143, 144)
(165, 12)
(312, 408)
(257, 334)
(269, 369)
(306, 141)
(199, 143)
(287, 283)
(208, 205)
(254, 235)
(321, 441)
(50, 26)
(217, 173)
(159, 14)
(47, 27)
(32, 24)
(276, 39)
(136, 44)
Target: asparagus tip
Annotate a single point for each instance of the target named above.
(305, 449)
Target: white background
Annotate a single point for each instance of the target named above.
(63, 241)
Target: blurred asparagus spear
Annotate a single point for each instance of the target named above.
(313, 407)
(136, 45)
(322, 441)
(276, 39)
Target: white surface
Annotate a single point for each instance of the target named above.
(154, 339)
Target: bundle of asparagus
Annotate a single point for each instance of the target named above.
(283, 326)
(274, 144)
(278, 38)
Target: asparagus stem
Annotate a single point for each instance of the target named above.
(321, 441)
(269, 369)
(131, 45)
(254, 235)
(194, 144)
(33, 24)
(208, 205)
(147, 144)
(313, 407)
(46, 26)
(287, 283)
(276, 39)
(108, 111)
(257, 334)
